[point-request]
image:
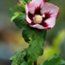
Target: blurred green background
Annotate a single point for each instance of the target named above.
(11, 38)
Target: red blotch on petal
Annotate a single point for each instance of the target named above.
(30, 15)
(38, 11)
(47, 15)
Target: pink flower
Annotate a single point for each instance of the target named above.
(41, 14)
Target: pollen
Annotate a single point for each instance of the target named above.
(37, 19)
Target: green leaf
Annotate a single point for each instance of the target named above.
(18, 9)
(36, 45)
(36, 42)
(25, 1)
(18, 58)
(25, 36)
(16, 14)
(23, 63)
(55, 60)
(20, 21)
(35, 49)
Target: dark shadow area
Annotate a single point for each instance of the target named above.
(5, 62)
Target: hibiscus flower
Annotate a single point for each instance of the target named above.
(41, 14)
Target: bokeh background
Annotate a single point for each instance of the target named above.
(11, 37)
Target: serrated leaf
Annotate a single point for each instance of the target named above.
(36, 42)
(36, 46)
(18, 58)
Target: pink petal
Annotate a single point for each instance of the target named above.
(50, 22)
(38, 2)
(30, 7)
(38, 26)
(53, 10)
(28, 19)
